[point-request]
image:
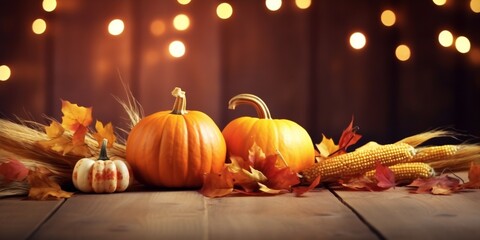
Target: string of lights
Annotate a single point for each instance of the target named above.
(181, 23)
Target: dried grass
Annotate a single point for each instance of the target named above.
(20, 140)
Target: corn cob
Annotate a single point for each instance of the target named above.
(407, 172)
(434, 153)
(358, 162)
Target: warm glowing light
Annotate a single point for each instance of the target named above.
(49, 5)
(475, 6)
(462, 44)
(439, 2)
(273, 5)
(402, 52)
(116, 27)
(224, 10)
(358, 40)
(303, 4)
(4, 73)
(39, 26)
(445, 38)
(184, 2)
(181, 22)
(176, 49)
(388, 18)
(157, 27)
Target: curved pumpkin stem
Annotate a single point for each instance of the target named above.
(103, 150)
(180, 105)
(250, 99)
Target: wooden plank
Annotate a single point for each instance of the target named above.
(188, 215)
(398, 214)
(130, 215)
(318, 215)
(19, 218)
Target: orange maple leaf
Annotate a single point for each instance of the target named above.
(440, 185)
(104, 132)
(326, 147)
(76, 119)
(75, 116)
(44, 188)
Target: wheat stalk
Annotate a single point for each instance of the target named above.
(20, 140)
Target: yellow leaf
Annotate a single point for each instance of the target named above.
(326, 147)
(44, 188)
(265, 189)
(54, 130)
(75, 116)
(255, 175)
(104, 132)
(255, 153)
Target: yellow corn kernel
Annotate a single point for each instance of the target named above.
(407, 172)
(434, 153)
(358, 162)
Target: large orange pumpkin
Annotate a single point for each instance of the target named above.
(175, 148)
(273, 136)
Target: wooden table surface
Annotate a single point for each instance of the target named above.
(320, 214)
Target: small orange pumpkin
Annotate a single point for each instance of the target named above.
(175, 148)
(273, 136)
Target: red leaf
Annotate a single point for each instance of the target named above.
(361, 183)
(217, 184)
(300, 190)
(348, 138)
(441, 185)
(13, 170)
(277, 178)
(384, 176)
(473, 176)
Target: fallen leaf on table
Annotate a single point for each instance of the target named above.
(217, 184)
(441, 185)
(384, 176)
(277, 177)
(44, 188)
(300, 190)
(257, 175)
(12, 170)
(361, 183)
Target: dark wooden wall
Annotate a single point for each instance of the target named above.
(298, 61)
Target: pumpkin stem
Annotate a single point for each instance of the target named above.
(258, 103)
(180, 105)
(103, 150)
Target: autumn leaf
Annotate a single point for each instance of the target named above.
(300, 190)
(75, 116)
(13, 170)
(258, 175)
(441, 185)
(473, 177)
(104, 132)
(54, 130)
(277, 177)
(217, 184)
(76, 119)
(384, 176)
(44, 188)
(348, 138)
(326, 147)
(361, 183)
